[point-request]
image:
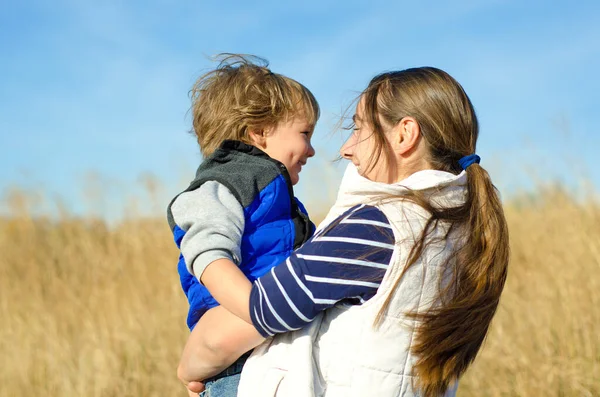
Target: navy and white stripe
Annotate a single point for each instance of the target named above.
(344, 262)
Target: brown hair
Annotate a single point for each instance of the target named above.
(241, 95)
(448, 335)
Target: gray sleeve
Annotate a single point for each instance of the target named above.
(213, 221)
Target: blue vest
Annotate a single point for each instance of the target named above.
(276, 223)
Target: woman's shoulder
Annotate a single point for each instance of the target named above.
(402, 209)
(360, 221)
(363, 214)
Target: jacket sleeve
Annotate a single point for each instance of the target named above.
(345, 263)
(213, 222)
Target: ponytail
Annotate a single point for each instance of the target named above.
(449, 335)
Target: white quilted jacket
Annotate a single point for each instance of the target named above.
(341, 354)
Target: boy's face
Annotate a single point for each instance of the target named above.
(289, 143)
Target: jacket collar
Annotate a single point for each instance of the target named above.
(239, 146)
(433, 183)
(442, 188)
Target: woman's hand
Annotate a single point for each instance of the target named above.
(195, 388)
(229, 286)
(216, 342)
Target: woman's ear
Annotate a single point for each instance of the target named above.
(258, 138)
(407, 134)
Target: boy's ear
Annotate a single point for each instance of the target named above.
(258, 138)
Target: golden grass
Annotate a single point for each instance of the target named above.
(93, 310)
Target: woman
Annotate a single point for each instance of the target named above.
(395, 296)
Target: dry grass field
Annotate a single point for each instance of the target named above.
(89, 309)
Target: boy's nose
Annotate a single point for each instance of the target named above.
(311, 150)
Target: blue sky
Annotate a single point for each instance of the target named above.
(94, 94)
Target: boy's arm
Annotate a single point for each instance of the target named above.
(216, 342)
(213, 221)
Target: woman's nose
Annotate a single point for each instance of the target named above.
(347, 148)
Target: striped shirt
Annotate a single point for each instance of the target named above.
(343, 263)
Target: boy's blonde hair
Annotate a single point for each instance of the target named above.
(243, 95)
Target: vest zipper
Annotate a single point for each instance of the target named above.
(295, 209)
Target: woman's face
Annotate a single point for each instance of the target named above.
(361, 148)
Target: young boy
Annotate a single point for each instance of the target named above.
(239, 216)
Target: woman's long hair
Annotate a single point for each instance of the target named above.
(449, 335)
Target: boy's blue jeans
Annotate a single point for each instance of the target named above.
(223, 387)
(226, 383)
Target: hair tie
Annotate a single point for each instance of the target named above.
(468, 160)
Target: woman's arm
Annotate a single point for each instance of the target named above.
(344, 263)
(216, 342)
(347, 262)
